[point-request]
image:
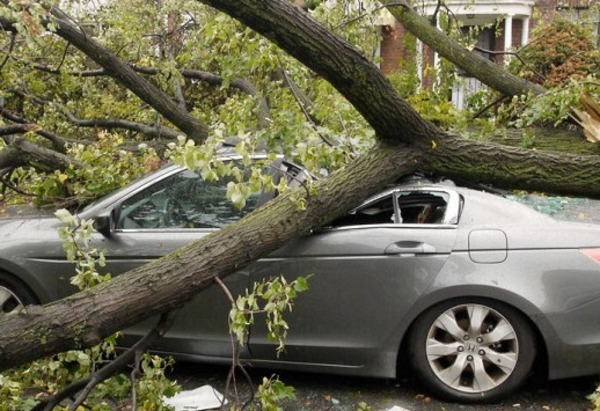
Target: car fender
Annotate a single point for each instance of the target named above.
(14, 270)
(534, 316)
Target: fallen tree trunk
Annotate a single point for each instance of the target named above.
(85, 318)
(545, 139)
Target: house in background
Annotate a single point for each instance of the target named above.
(506, 27)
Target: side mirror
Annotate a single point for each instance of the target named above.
(104, 224)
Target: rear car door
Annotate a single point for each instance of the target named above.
(367, 270)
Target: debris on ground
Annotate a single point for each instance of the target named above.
(202, 398)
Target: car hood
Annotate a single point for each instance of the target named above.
(20, 227)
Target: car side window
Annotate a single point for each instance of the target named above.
(412, 207)
(183, 200)
(422, 207)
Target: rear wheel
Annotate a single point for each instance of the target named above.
(472, 350)
(13, 295)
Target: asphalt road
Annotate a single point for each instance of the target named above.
(337, 393)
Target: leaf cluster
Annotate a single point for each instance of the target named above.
(560, 51)
(271, 298)
(272, 392)
(107, 166)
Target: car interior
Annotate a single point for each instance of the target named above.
(413, 207)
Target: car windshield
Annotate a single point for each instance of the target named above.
(184, 200)
(102, 198)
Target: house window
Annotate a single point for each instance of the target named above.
(485, 39)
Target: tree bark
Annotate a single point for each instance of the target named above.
(513, 167)
(546, 139)
(407, 143)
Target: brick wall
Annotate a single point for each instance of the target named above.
(392, 47)
(393, 50)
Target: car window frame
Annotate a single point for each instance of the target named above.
(450, 220)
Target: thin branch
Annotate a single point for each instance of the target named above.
(235, 363)
(499, 53)
(433, 19)
(151, 132)
(264, 112)
(303, 102)
(490, 105)
(11, 46)
(362, 16)
(134, 376)
(87, 385)
(7, 184)
(58, 142)
(8, 25)
(225, 290)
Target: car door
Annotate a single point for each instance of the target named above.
(366, 271)
(161, 218)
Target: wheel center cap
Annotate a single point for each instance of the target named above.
(471, 347)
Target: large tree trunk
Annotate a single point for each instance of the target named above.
(407, 143)
(546, 139)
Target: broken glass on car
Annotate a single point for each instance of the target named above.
(400, 207)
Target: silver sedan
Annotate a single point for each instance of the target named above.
(466, 287)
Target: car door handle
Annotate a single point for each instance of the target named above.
(410, 247)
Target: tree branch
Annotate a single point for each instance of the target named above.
(340, 63)
(264, 113)
(57, 141)
(475, 65)
(125, 75)
(304, 103)
(86, 385)
(89, 315)
(11, 45)
(235, 349)
(157, 132)
(50, 158)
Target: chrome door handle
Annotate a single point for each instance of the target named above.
(410, 247)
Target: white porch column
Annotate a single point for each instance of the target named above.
(525, 31)
(436, 64)
(420, 62)
(507, 35)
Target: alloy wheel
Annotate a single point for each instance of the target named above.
(472, 348)
(9, 302)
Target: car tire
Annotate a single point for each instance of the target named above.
(471, 350)
(14, 295)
